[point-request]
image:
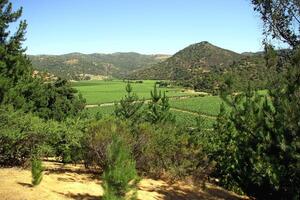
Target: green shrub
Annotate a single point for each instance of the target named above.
(169, 150)
(20, 135)
(99, 135)
(36, 171)
(157, 149)
(70, 138)
(120, 175)
(256, 145)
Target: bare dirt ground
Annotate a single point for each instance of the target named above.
(75, 182)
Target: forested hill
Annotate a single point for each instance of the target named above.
(71, 65)
(200, 57)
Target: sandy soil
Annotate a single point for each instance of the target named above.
(75, 182)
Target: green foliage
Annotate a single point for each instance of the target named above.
(36, 171)
(281, 19)
(186, 119)
(13, 63)
(167, 150)
(55, 100)
(67, 139)
(158, 110)
(99, 135)
(254, 149)
(18, 85)
(129, 107)
(157, 149)
(256, 146)
(20, 136)
(261, 140)
(120, 176)
(24, 135)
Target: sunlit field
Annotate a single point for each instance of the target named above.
(101, 91)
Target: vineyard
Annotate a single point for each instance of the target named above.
(188, 107)
(106, 91)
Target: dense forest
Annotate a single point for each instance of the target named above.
(253, 148)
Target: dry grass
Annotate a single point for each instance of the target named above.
(75, 182)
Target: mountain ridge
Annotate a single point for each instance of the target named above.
(71, 65)
(196, 57)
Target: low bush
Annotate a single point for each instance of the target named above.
(172, 151)
(157, 149)
(20, 135)
(99, 135)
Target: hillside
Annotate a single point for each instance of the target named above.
(71, 65)
(200, 57)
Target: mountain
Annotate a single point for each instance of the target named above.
(206, 67)
(74, 65)
(200, 57)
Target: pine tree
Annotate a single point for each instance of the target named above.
(256, 146)
(130, 105)
(120, 176)
(18, 87)
(159, 108)
(13, 63)
(36, 171)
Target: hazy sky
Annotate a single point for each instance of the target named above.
(144, 26)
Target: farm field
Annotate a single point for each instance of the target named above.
(182, 117)
(101, 91)
(186, 107)
(208, 105)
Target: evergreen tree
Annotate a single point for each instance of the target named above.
(256, 146)
(159, 108)
(281, 19)
(129, 106)
(18, 85)
(120, 176)
(36, 171)
(13, 63)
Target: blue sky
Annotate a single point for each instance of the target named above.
(144, 26)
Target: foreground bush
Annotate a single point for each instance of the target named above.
(20, 135)
(162, 149)
(99, 135)
(120, 175)
(172, 151)
(23, 135)
(256, 146)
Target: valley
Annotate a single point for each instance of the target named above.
(187, 101)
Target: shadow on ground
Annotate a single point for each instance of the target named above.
(79, 196)
(25, 184)
(177, 193)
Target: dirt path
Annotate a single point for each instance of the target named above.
(74, 182)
